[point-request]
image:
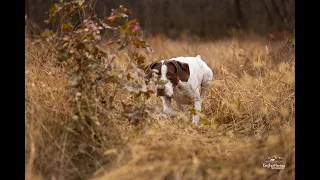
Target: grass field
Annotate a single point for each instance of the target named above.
(249, 116)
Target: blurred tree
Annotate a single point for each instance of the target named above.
(200, 18)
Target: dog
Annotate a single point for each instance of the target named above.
(183, 79)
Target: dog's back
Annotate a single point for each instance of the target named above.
(199, 69)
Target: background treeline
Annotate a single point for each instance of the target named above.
(197, 17)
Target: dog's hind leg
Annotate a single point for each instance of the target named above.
(204, 92)
(197, 106)
(195, 117)
(207, 78)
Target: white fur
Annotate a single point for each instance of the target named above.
(190, 92)
(168, 90)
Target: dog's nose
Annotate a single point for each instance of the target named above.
(160, 91)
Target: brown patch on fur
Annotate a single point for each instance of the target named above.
(177, 69)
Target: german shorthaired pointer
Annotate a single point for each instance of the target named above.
(183, 79)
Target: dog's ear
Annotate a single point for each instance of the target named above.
(183, 71)
(148, 69)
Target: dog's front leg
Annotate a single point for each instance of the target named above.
(166, 101)
(180, 106)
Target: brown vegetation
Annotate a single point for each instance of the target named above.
(250, 116)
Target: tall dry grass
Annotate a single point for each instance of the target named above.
(57, 144)
(249, 116)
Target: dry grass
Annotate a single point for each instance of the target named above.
(250, 116)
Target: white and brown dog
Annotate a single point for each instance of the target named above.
(185, 80)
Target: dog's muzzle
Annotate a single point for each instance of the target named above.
(160, 91)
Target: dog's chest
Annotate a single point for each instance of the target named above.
(183, 95)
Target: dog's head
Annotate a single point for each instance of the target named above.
(167, 74)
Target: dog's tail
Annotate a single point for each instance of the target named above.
(198, 56)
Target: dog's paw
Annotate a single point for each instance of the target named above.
(171, 112)
(163, 116)
(195, 119)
